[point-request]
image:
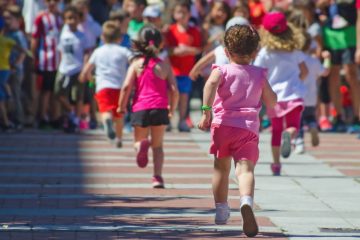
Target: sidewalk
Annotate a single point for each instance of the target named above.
(56, 186)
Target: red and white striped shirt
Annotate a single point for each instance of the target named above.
(47, 27)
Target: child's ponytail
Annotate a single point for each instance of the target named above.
(148, 43)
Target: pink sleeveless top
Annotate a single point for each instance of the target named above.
(150, 90)
(238, 98)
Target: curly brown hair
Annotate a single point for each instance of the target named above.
(241, 40)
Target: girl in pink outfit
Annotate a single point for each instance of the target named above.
(153, 82)
(235, 92)
(286, 71)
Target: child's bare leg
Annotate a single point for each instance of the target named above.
(119, 124)
(245, 174)
(3, 113)
(220, 181)
(140, 134)
(276, 154)
(157, 138)
(44, 103)
(106, 118)
(183, 105)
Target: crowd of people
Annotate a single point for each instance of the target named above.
(78, 64)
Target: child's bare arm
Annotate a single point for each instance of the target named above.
(173, 89)
(85, 74)
(268, 96)
(209, 95)
(203, 62)
(127, 87)
(304, 71)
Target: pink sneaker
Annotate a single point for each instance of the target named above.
(158, 182)
(324, 124)
(142, 155)
(276, 169)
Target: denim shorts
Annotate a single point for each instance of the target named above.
(184, 84)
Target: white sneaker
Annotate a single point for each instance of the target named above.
(222, 214)
(299, 146)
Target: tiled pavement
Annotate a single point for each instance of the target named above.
(57, 186)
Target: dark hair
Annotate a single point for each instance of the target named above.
(241, 40)
(14, 11)
(140, 2)
(227, 10)
(183, 3)
(71, 9)
(111, 32)
(119, 15)
(148, 43)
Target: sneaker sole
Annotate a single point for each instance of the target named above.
(250, 226)
(315, 141)
(142, 156)
(159, 186)
(285, 145)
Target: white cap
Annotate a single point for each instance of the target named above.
(236, 20)
(152, 11)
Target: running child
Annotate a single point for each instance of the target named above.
(110, 62)
(153, 81)
(308, 117)
(286, 73)
(234, 93)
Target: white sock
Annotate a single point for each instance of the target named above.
(221, 205)
(248, 200)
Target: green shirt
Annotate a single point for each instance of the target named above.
(337, 39)
(134, 28)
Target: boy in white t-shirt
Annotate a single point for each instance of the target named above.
(110, 62)
(72, 47)
(308, 117)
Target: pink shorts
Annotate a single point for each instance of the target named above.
(239, 143)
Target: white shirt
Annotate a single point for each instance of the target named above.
(72, 46)
(283, 72)
(30, 10)
(111, 62)
(220, 56)
(91, 29)
(316, 69)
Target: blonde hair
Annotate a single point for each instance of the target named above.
(290, 40)
(111, 32)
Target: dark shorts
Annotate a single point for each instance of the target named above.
(343, 56)
(69, 86)
(46, 80)
(151, 117)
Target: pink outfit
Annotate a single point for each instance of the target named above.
(292, 119)
(238, 98)
(150, 90)
(239, 143)
(283, 108)
(235, 125)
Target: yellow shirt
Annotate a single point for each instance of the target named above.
(6, 44)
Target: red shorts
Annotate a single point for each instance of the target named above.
(108, 101)
(239, 143)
